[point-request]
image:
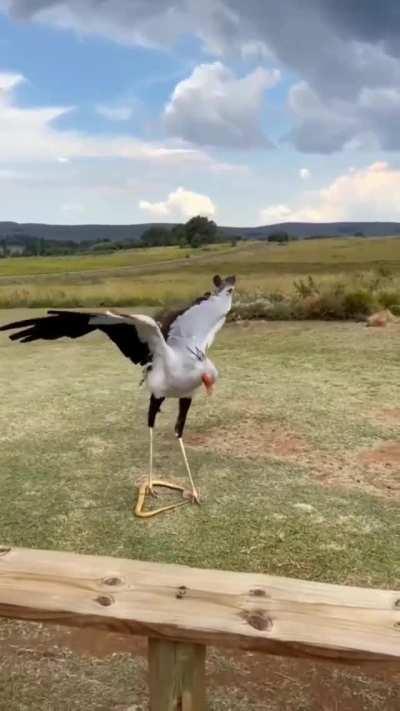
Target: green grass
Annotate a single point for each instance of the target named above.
(167, 275)
(278, 456)
(29, 266)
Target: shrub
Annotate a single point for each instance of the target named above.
(249, 310)
(359, 303)
(389, 298)
(306, 288)
(384, 271)
(326, 306)
(281, 311)
(276, 297)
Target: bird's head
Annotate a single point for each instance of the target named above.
(209, 376)
(224, 286)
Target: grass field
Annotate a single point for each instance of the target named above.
(297, 458)
(166, 275)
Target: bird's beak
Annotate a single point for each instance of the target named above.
(208, 382)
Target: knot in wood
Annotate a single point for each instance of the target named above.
(105, 600)
(258, 592)
(182, 590)
(4, 550)
(112, 581)
(257, 619)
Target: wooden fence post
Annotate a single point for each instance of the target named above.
(177, 676)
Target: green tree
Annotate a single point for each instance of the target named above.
(178, 235)
(200, 230)
(156, 236)
(278, 237)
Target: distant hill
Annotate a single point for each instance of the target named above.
(316, 229)
(75, 233)
(125, 233)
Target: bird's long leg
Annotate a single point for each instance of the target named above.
(184, 405)
(194, 495)
(154, 408)
(149, 487)
(150, 479)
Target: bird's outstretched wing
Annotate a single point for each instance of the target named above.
(197, 326)
(138, 337)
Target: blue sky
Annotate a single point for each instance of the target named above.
(125, 111)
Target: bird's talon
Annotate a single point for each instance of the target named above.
(192, 496)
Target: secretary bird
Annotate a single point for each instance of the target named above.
(172, 351)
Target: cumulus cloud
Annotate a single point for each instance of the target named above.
(31, 134)
(371, 119)
(129, 21)
(371, 193)
(316, 39)
(345, 54)
(214, 107)
(180, 204)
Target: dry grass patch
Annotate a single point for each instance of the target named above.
(376, 471)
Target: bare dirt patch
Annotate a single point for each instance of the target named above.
(388, 415)
(382, 465)
(375, 471)
(252, 440)
(387, 456)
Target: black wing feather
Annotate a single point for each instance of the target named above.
(74, 324)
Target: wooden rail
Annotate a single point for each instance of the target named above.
(181, 610)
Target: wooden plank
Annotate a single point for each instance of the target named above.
(257, 612)
(177, 676)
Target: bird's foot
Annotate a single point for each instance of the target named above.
(144, 489)
(193, 496)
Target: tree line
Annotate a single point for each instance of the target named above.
(196, 232)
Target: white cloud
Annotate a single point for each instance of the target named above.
(304, 173)
(9, 81)
(115, 113)
(46, 171)
(371, 193)
(275, 213)
(28, 134)
(347, 69)
(180, 204)
(214, 107)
